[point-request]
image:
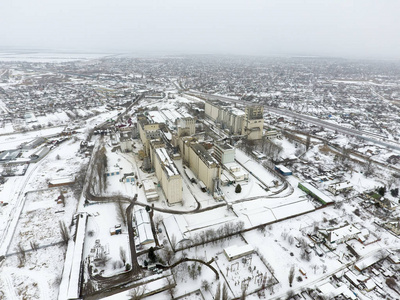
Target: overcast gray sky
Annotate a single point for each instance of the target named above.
(347, 28)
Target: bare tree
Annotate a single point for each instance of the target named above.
(173, 241)
(167, 253)
(121, 213)
(122, 255)
(34, 245)
(225, 292)
(244, 289)
(369, 168)
(289, 294)
(218, 292)
(391, 282)
(103, 260)
(21, 255)
(308, 142)
(315, 268)
(137, 293)
(291, 276)
(64, 232)
(270, 284)
(170, 286)
(205, 285)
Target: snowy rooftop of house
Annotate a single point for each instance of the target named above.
(336, 234)
(356, 279)
(235, 250)
(366, 262)
(342, 185)
(168, 164)
(329, 290)
(369, 284)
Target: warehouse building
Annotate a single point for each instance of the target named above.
(315, 193)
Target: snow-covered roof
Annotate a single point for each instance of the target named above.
(74, 279)
(157, 117)
(167, 163)
(143, 225)
(176, 225)
(340, 233)
(317, 192)
(366, 262)
(142, 216)
(148, 185)
(369, 285)
(65, 180)
(283, 169)
(235, 251)
(329, 290)
(341, 185)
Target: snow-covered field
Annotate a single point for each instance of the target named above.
(31, 221)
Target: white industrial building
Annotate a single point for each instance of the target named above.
(168, 176)
(201, 163)
(143, 225)
(224, 153)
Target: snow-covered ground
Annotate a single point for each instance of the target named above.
(31, 219)
(273, 215)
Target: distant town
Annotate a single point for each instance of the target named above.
(199, 177)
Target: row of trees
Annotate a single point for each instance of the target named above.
(212, 235)
(99, 171)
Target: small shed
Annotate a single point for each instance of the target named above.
(235, 252)
(283, 170)
(130, 179)
(112, 171)
(61, 181)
